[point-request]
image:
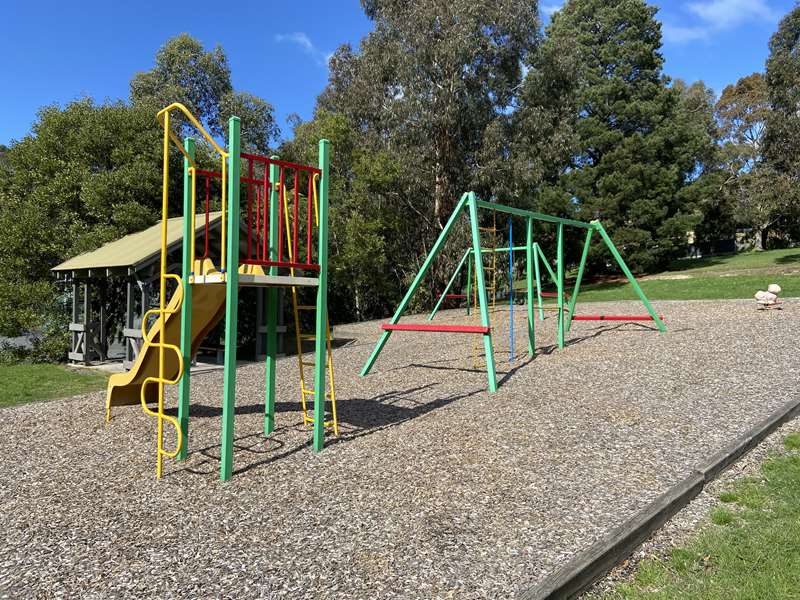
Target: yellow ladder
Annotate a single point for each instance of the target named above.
(306, 391)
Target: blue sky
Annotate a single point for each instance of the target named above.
(58, 51)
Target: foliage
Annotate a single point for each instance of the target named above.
(634, 150)
(201, 80)
(90, 173)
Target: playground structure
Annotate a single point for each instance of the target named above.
(203, 294)
(474, 256)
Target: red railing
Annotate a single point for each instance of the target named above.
(295, 228)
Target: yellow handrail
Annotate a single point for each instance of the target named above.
(162, 311)
(163, 118)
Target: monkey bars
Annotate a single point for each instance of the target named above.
(470, 204)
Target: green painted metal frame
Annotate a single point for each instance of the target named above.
(231, 299)
(534, 254)
(271, 302)
(415, 284)
(450, 284)
(631, 279)
(579, 278)
(529, 254)
(320, 338)
(560, 282)
(184, 385)
(536, 269)
(483, 300)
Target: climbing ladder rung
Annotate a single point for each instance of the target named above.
(311, 393)
(307, 336)
(306, 307)
(307, 363)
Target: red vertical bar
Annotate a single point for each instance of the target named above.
(208, 194)
(281, 198)
(295, 258)
(250, 208)
(258, 223)
(309, 208)
(265, 220)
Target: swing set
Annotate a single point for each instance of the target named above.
(473, 258)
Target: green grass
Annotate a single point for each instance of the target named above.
(714, 278)
(752, 551)
(31, 383)
(696, 288)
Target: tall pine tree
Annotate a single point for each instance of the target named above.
(631, 150)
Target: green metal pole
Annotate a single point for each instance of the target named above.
(635, 284)
(529, 278)
(186, 307)
(271, 301)
(483, 300)
(231, 299)
(469, 281)
(560, 283)
(577, 287)
(538, 279)
(547, 265)
(415, 284)
(322, 301)
(449, 284)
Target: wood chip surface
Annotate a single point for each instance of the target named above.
(435, 487)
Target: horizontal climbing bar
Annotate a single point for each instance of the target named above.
(614, 317)
(534, 215)
(436, 328)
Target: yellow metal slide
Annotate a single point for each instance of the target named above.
(208, 308)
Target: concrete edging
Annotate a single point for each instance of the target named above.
(596, 561)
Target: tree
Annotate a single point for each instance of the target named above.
(633, 149)
(742, 112)
(428, 81)
(422, 91)
(201, 80)
(90, 173)
(85, 175)
(777, 201)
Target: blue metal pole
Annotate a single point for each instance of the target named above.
(510, 290)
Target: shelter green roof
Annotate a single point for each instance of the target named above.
(135, 249)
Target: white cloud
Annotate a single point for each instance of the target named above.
(680, 35)
(306, 45)
(727, 14)
(718, 15)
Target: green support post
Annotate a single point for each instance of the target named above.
(577, 287)
(449, 285)
(547, 266)
(469, 281)
(320, 337)
(186, 307)
(271, 301)
(560, 283)
(231, 298)
(415, 284)
(631, 279)
(529, 278)
(538, 279)
(483, 300)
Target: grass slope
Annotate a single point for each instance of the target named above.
(30, 383)
(751, 551)
(712, 278)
